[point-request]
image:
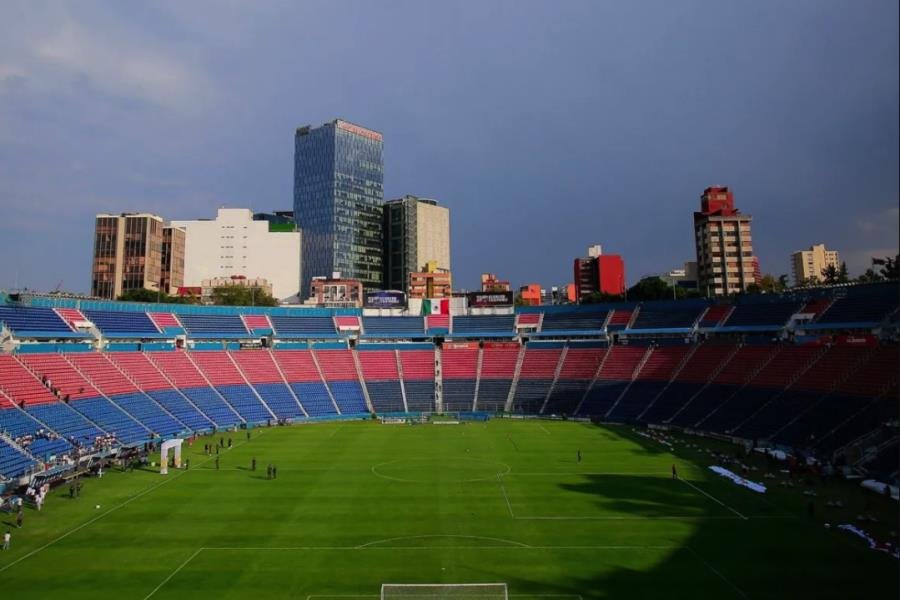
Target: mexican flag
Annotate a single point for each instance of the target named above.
(436, 306)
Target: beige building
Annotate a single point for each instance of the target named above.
(128, 255)
(809, 264)
(725, 261)
(233, 244)
(172, 276)
(416, 232)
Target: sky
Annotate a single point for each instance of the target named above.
(545, 127)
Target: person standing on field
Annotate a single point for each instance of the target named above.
(674, 472)
(6, 538)
(253, 464)
(579, 456)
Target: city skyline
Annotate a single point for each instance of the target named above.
(541, 134)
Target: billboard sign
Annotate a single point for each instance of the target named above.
(384, 299)
(485, 299)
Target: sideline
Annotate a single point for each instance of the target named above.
(713, 498)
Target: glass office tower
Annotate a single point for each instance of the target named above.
(338, 195)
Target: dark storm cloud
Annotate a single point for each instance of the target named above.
(544, 126)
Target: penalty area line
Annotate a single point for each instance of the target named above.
(713, 498)
(173, 573)
(717, 573)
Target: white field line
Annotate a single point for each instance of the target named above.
(713, 498)
(173, 573)
(544, 429)
(577, 596)
(717, 573)
(122, 504)
(505, 496)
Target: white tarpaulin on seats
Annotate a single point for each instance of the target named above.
(750, 485)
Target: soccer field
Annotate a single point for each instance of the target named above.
(358, 504)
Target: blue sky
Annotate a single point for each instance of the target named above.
(544, 126)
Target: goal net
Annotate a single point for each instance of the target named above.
(440, 591)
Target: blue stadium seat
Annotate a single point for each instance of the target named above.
(24, 319)
(419, 395)
(393, 326)
(245, 402)
(149, 414)
(212, 406)
(122, 322)
(314, 398)
(349, 397)
(66, 421)
(17, 423)
(14, 463)
(279, 399)
(574, 321)
(304, 326)
(495, 324)
(183, 410)
(458, 394)
(224, 326)
(385, 396)
(112, 419)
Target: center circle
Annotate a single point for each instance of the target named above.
(451, 469)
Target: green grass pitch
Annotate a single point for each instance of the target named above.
(358, 504)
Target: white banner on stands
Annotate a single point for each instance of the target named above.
(750, 485)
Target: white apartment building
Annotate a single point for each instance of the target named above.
(234, 244)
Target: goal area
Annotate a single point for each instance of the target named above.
(449, 591)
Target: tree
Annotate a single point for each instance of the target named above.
(890, 267)
(870, 276)
(239, 295)
(830, 274)
(653, 288)
(600, 297)
(843, 274)
(768, 284)
(143, 295)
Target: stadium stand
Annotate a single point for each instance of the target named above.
(150, 381)
(535, 378)
(257, 324)
(498, 367)
(459, 372)
(222, 373)
(166, 322)
(702, 365)
(28, 321)
(666, 318)
(578, 370)
(393, 327)
(303, 376)
(213, 326)
(573, 321)
(761, 314)
(122, 323)
(340, 373)
(180, 370)
(488, 325)
(109, 380)
(657, 368)
(615, 375)
(760, 373)
(260, 370)
(379, 367)
(418, 378)
(304, 327)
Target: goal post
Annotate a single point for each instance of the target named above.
(441, 591)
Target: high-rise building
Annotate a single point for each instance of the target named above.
(338, 195)
(233, 244)
(127, 254)
(725, 261)
(809, 264)
(416, 232)
(599, 273)
(172, 276)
